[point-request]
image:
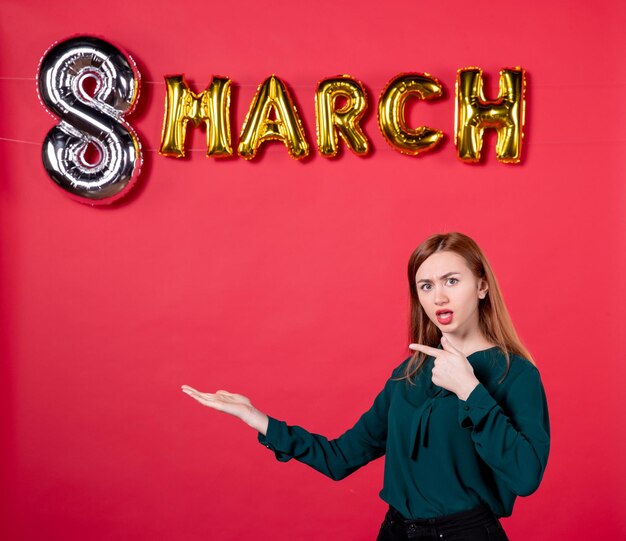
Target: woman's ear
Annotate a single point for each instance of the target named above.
(483, 287)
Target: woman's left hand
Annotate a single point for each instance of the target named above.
(452, 370)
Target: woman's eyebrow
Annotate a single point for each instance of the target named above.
(446, 275)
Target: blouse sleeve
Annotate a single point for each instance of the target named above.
(512, 438)
(339, 457)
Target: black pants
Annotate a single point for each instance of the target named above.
(478, 524)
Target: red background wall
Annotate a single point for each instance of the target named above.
(286, 281)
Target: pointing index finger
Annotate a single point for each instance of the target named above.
(433, 352)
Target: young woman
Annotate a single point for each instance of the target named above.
(463, 422)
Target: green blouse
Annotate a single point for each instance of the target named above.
(443, 455)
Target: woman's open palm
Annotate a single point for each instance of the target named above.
(233, 404)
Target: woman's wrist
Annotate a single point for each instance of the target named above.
(257, 420)
(467, 390)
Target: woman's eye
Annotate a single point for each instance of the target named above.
(452, 281)
(425, 287)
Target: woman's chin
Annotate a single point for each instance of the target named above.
(447, 328)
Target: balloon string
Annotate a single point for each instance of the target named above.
(347, 151)
(19, 141)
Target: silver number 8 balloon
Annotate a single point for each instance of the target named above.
(106, 171)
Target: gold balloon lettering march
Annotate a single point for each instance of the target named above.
(97, 120)
(273, 116)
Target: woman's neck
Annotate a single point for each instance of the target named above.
(469, 344)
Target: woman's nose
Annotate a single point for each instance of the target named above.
(440, 296)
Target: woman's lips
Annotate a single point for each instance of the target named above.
(444, 317)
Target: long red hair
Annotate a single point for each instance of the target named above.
(494, 320)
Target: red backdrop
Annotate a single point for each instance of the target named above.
(286, 280)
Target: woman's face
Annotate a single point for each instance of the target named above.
(449, 293)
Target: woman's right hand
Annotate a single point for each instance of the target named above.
(233, 404)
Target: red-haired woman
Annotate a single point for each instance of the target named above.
(463, 422)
